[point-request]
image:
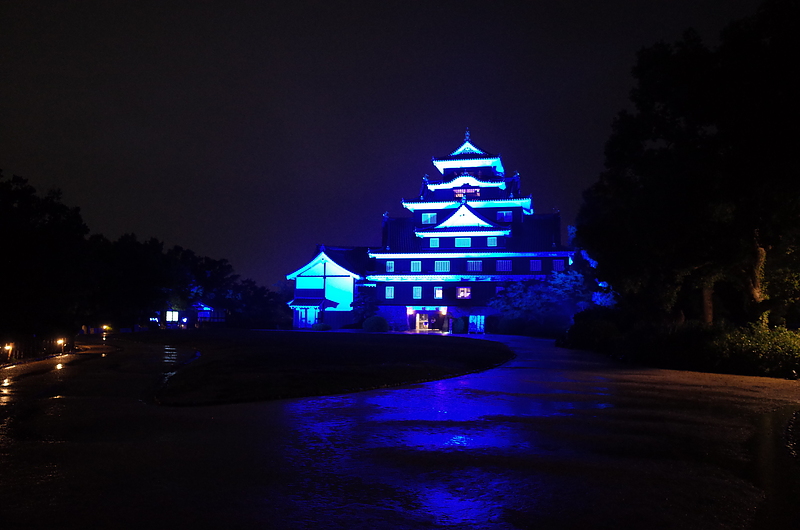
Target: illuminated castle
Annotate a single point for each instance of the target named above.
(470, 233)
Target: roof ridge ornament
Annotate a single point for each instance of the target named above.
(466, 135)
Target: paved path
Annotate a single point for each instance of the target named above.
(553, 439)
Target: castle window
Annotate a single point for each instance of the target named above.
(503, 265)
(390, 266)
(434, 242)
(438, 292)
(536, 265)
(416, 266)
(558, 264)
(429, 218)
(417, 292)
(491, 241)
(389, 292)
(474, 265)
(441, 266)
(463, 241)
(463, 293)
(504, 216)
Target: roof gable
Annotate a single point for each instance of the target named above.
(465, 217)
(468, 155)
(322, 265)
(467, 148)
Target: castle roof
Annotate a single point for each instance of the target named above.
(468, 155)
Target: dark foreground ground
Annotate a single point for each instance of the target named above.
(552, 439)
(234, 366)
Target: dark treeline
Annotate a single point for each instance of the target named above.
(56, 278)
(695, 221)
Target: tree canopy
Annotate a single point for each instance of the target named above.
(697, 209)
(56, 279)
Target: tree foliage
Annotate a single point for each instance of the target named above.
(698, 205)
(55, 279)
(544, 305)
(41, 245)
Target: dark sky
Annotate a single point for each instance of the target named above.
(253, 131)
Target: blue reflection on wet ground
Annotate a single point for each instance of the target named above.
(460, 422)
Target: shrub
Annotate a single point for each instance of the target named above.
(595, 329)
(376, 323)
(759, 350)
(684, 346)
(460, 325)
(751, 350)
(511, 326)
(320, 326)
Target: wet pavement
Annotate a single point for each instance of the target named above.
(553, 439)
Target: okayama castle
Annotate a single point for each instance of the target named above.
(468, 233)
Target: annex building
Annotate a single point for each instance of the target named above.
(468, 233)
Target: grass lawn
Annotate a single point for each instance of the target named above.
(241, 365)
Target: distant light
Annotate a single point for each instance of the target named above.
(443, 310)
(60, 342)
(59, 366)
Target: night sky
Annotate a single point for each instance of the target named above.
(253, 131)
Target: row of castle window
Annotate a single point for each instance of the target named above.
(462, 293)
(503, 216)
(462, 242)
(501, 265)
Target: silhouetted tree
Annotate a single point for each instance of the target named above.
(364, 305)
(701, 186)
(41, 249)
(131, 280)
(254, 306)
